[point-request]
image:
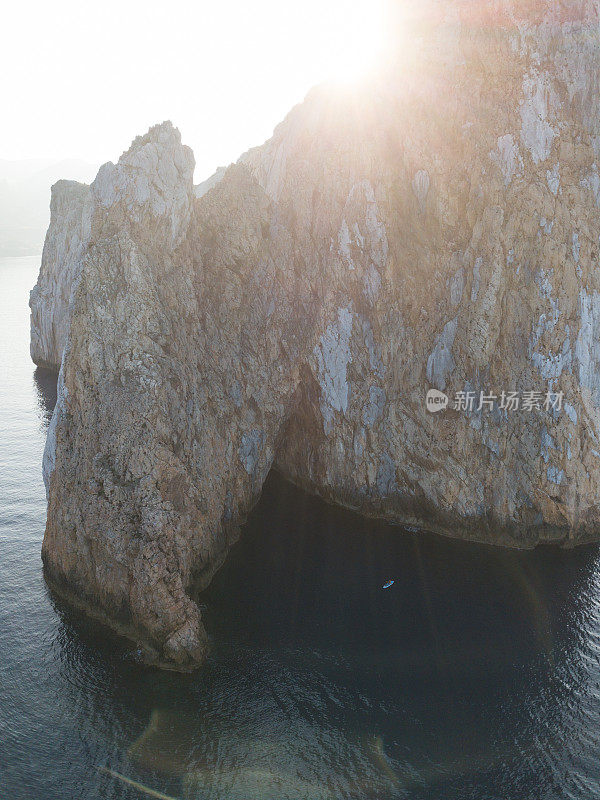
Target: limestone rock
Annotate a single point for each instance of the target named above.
(147, 182)
(435, 228)
(66, 241)
(181, 366)
(202, 188)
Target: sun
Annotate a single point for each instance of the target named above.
(356, 40)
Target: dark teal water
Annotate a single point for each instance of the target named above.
(476, 675)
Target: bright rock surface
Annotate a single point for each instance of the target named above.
(436, 228)
(66, 241)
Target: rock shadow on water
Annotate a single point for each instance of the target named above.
(45, 382)
(309, 574)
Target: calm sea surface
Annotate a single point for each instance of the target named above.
(476, 675)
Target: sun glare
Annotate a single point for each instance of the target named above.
(357, 41)
(225, 73)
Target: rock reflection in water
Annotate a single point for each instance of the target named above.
(45, 387)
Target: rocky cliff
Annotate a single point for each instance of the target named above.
(434, 229)
(66, 241)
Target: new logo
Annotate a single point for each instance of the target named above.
(436, 401)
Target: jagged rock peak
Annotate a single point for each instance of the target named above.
(148, 191)
(153, 177)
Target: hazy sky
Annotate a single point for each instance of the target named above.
(80, 80)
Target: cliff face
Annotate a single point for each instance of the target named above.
(66, 241)
(435, 229)
(464, 257)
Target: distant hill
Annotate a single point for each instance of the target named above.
(25, 200)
